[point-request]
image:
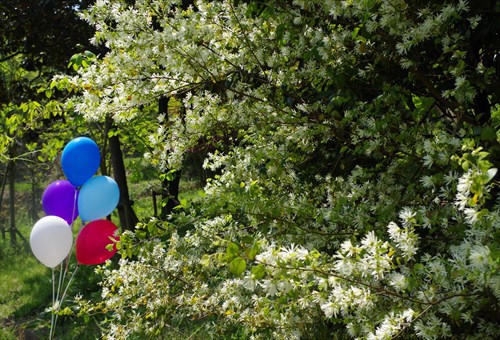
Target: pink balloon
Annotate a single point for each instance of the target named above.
(92, 241)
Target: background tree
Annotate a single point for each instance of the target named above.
(354, 148)
(46, 32)
(37, 40)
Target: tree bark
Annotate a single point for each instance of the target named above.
(4, 183)
(170, 188)
(128, 218)
(169, 195)
(34, 197)
(12, 202)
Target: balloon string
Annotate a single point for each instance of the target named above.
(53, 303)
(64, 293)
(60, 282)
(68, 258)
(69, 283)
(60, 302)
(62, 276)
(73, 217)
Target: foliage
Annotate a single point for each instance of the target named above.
(37, 40)
(44, 33)
(354, 146)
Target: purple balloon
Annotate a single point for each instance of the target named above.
(59, 199)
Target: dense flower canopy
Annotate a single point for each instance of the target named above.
(354, 147)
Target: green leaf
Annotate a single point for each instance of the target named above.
(152, 229)
(89, 54)
(259, 271)
(232, 250)
(370, 3)
(24, 107)
(237, 266)
(113, 133)
(488, 134)
(205, 260)
(355, 32)
(280, 31)
(170, 176)
(253, 251)
(490, 174)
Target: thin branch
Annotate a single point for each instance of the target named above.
(378, 289)
(11, 56)
(419, 316)
(172, 275)
(245, 36)
(295, 224)
(434, 92)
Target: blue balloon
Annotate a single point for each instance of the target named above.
(98, 198)
(80, 160)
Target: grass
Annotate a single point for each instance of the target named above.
(26, 293)
(25, 290)
(24, 285)
(7, 333)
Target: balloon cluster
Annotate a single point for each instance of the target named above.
(82, 194)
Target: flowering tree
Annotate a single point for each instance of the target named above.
(355, 146)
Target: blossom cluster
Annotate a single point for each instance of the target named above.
(349, 196)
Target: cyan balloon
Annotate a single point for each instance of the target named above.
(98, 197)
(80, 160)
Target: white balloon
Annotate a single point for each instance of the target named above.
(51, 239)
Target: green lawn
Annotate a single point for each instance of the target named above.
(24, 285)
(26, 293)
(25, 290)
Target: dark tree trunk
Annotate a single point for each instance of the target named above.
(170, 188)
(12, 202)
(104, 151)
(4, 183)
(128, 218)
(34, 197)
(169, 195)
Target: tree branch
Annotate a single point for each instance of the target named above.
(11, 56)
